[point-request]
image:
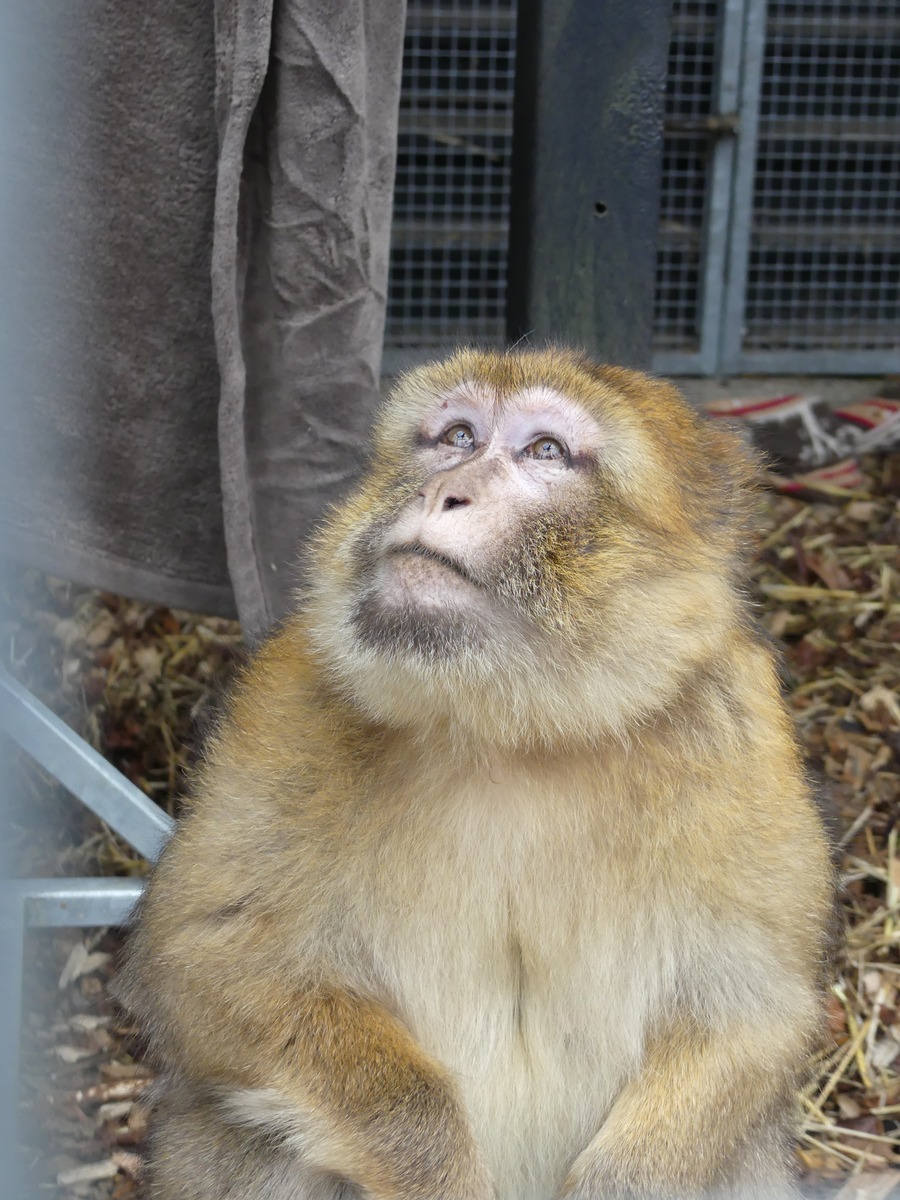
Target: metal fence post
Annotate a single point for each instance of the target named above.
(742, 199)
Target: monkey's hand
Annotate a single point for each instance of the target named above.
(685, 1126)
(356, 1097)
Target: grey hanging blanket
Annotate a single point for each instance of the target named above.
(201, 203)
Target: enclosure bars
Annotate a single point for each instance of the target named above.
(797, 268)
(815, 195)
(729, 343)
(66, 902)
(778, 249)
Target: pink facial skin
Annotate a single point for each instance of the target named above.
(489, 468)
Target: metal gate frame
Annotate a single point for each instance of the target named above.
(752, 32)
(728, 224)
(735, 358)
(725, 242)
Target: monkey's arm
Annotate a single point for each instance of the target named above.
(702, 1102)
(359, 1099)
(331, 1072)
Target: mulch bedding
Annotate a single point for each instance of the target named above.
(136, 681)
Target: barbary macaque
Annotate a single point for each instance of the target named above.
(501, 879)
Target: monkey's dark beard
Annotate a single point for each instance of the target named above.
(430, 635)
(426, 633)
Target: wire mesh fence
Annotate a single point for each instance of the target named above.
(824, 267)
(451, 206)
(779, 240)
(687, 154)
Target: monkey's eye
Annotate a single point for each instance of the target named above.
(460, 436)
(546, 448)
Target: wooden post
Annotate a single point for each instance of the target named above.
(587, 158)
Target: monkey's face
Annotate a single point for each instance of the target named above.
(520, 516)
(468, 549)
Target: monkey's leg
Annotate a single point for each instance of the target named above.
(198, 1155)
(709, 1115)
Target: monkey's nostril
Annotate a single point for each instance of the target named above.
(454, 502)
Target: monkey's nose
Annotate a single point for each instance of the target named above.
(438, 500)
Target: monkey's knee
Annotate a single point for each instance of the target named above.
(197, 1155)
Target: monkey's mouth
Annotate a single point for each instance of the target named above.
(418, 550)
(423, 602)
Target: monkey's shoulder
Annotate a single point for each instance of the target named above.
(283, 734)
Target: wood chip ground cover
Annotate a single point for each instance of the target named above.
(137, 680)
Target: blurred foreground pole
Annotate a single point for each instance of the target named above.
(17, 84)
(587, 159)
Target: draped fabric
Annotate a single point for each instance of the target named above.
(194, 287)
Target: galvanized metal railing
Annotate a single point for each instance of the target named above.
(42, 903)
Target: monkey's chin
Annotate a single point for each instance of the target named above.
(424, 607)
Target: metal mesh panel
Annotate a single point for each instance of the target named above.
(448, 253)
(448, 250)
(687, 151)
(823, 271)
(824, 268)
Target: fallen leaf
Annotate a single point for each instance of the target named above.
(849, 1108)
(880, 697)
(87, 1173)
(131, 1164)
(81, 961)
(883, 1053)
(73, 1054)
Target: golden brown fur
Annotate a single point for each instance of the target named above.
(522, 905)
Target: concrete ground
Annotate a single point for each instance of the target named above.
(835, 390)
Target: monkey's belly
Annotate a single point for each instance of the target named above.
(517, 972)
(538, 1071)
(538, 1062)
